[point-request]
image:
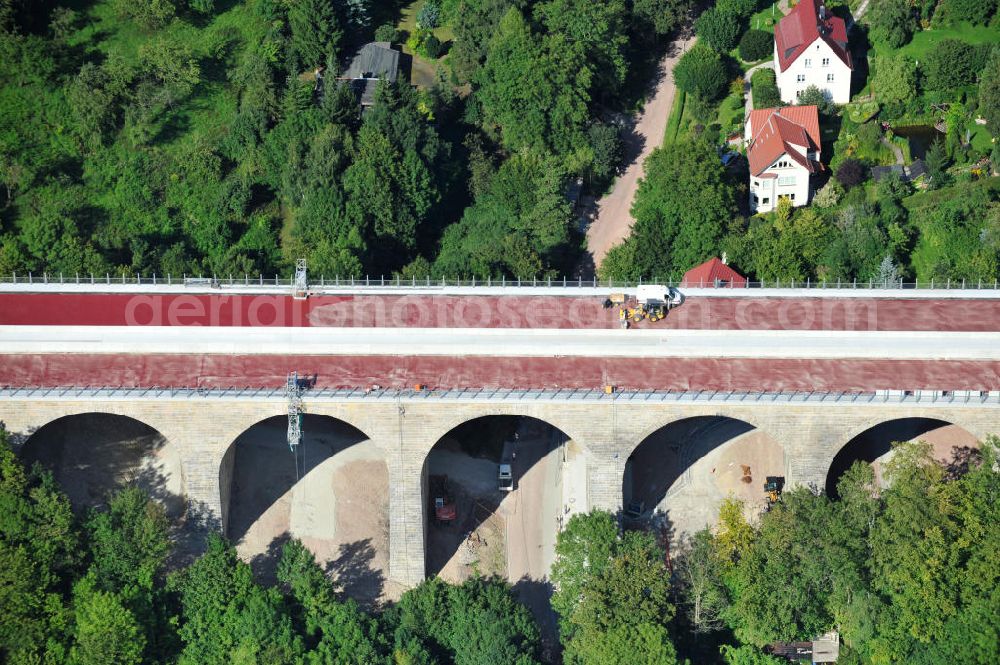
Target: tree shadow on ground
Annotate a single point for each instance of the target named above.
(352, 571)
(94, 455)
(875, 442)
(536, 595)
(963, 459)
(664, 456)
(265, 564)
(264, 469)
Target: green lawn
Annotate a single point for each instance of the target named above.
(980, 139)
(925, 40)
(766, 18)
(674, 121)
(731, 112)
(423, 74)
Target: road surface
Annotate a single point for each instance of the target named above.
(613, 219)
(532, 510)
(490, 342)
(741, 309)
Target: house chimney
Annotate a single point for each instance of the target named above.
(725, 259)
(822, 12)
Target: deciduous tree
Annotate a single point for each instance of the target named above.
(892, 22)
(701, 72)
(894, 78)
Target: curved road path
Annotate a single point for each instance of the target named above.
(612, 218)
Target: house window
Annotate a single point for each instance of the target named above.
(829, 78)
(801, 78)
(809, 62)
(755, 199)
(826, 62)
(766, 201)
(786, 181)
(756, 184)
(793, 196)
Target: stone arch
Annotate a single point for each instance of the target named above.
(871, 442)
(94, 451)
(32, 417)
(562, 422)
(527, 515)
(331, 493)
(660, 423)
(686, 467)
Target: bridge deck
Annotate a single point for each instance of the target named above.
(437, 372)
(716, 312)
(717, 340)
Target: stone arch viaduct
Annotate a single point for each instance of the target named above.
(404, 426)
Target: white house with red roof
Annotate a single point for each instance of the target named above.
(810, 48)
(783, 149)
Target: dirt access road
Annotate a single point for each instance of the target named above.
(518, 540)
(612, 218)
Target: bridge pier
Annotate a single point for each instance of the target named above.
(604, 433)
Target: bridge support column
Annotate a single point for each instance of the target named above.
(407, 535)
(605, 471)
(207, 481)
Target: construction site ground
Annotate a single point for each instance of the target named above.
(336, 501)
(93, 454)
(949, 444)
(685, 470)
(510, 534)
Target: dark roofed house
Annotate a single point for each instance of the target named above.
(375, 60)
(906, 173)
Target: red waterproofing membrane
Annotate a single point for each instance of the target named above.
(476, 372)
(426, 311)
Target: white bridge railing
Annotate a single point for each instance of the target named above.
(910, 397)
(367, 281)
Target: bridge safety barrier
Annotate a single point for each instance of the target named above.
(914, 397)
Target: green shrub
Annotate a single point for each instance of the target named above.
(432, 47)
(429, 15)
(973, 11)
(740, 8)
(765, 89)
(386, 33)
(718, 29)
(756, 45)
(891, 22)
(953, 64)
(700, 72)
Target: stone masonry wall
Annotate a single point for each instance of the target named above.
(405, 430)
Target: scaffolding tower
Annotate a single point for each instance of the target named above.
(300, 285)
(294, 393)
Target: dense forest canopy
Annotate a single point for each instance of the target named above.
(191, 136)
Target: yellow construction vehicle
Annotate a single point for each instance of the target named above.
(651, 302)
(772, 488)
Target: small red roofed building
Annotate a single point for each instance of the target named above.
(810, 48)
(783, 150)
(713, 273)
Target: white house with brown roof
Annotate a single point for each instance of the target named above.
(810, 48)
(783, 149)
